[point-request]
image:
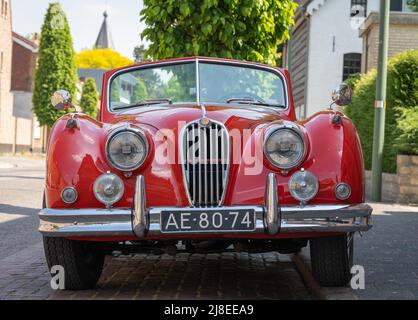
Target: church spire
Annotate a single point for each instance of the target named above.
(104, 39)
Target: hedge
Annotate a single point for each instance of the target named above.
(402, 99)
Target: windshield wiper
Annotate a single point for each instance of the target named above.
(254, 102)
(143, 103)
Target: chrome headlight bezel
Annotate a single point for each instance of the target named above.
(294, 129)
(138, 134)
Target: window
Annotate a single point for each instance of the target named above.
(358, 8)
(180, 82)
(396, 5)
(352, 64)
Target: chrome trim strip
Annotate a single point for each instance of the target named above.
(197, 82)
(85, 222)
(140, 213)
(191, 60)
(118, 222)
(272, 217)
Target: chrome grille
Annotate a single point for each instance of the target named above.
(205, 161)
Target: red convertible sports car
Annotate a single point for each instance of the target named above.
(201, 155)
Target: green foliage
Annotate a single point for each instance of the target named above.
(114, 91)
(101, 59)
(89, 98)
(361, 112)
(402, 94)
(56, 66)
(352, 80)
(139, 92)
(407, 141)
(139, 54)
(245, 30)
(413, 5)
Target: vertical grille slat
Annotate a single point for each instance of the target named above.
(205, 163)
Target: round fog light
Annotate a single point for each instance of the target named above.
(69, 195)
(342, 191)
(108, 189)
(303, 185)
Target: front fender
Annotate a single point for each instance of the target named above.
(76, 157)
(334, 155)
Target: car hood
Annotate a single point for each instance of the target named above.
(176, 116)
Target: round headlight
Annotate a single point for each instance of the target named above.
(303, 185)
(284, 148)
(108, 188)
(126, 150)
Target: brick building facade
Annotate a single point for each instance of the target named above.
(6, 96)
(403, 35)
(17, 65)
(24, 58)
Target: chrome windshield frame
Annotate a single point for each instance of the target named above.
(197, 61)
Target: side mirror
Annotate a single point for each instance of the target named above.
(61, 100)
(341, 96)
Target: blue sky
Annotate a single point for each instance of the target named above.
(85, 18)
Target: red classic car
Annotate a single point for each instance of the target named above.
(201, 155)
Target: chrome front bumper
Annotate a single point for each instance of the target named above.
(142, 221)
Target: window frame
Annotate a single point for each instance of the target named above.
(198, 60)
(358, 3)
(349, 56)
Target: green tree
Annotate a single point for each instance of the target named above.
(139, 54)
(413, 5)
(401, 110)
(246, 30)
(139, 92)
(56, 67)
(89, 98)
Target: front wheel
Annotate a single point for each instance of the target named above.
(332, 259)
(82, 261)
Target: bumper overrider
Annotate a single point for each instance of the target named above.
(141, 221)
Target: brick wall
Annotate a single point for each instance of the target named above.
(23, 66)
(401, 187)
(403, 35)
(6, 97)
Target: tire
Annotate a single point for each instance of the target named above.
(82, 261)
(332, 259)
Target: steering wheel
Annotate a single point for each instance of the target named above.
(240, 94)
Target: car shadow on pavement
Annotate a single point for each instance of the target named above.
(10, 209)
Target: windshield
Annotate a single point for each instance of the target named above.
(177, 83)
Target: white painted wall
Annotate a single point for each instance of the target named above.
(329, 19)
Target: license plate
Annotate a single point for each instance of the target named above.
(207, 221)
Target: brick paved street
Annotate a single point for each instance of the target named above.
(212, 276)
(389, 253)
